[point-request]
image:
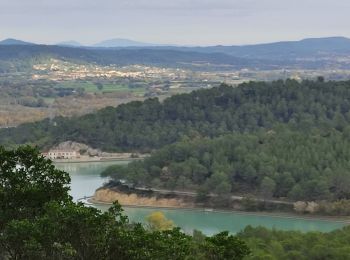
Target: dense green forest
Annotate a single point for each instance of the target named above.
(293, 245)
(39, 220)
(279, 139)
(148, 125)
(273, 163)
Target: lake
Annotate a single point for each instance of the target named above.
(85, 179)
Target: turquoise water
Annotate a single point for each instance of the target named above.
(86, 179)
(213, 222)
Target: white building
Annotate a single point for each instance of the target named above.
(62, 154)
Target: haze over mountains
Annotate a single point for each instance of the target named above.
(325, 44)
(69, 44)
(118, 42)
(313, 53)
(111, 43)
(10, 41)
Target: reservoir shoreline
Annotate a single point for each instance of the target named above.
(285, 215)
(97, 160)
(86, 178)
(153, 198)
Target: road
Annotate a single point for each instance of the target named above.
(194, 194)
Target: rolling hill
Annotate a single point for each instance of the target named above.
(318, 53)
(118, 42)
(11, 41)
(209, 112)
(145, 56)
(312, 47)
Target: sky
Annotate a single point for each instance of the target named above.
(182, 22)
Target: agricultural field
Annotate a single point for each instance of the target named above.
(98, 87)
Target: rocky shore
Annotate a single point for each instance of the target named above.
(106, 195)
(130, 196)
(141, 197)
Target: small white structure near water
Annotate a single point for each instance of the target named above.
(62, 154)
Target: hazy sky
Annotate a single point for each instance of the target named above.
(194, 22)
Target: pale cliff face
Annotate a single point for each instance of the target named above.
(110, 196)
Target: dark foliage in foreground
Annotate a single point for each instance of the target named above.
(39, 220)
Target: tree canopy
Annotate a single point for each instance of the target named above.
(148, 125)
(39, 220)
(292, 245)
(275, 163)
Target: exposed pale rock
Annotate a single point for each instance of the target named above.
(300, 206)
(306, 207)
(311, 207)
(110, 196)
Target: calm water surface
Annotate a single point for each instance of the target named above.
(86, 179)
(85, 176)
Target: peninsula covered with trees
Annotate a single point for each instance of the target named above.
(280, 163)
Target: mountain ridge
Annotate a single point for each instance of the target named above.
(311, 53)
(69, 44)
(121, 42)
(12, 41)
(282, 49)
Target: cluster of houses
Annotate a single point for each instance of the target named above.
(61, 154)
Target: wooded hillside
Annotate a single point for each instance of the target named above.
(148, 125)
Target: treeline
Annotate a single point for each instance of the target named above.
(293, 245)
(276, 163)
(42, 89)
(39, 220)
(148, 125)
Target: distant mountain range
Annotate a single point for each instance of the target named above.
(69, 44)
(10, 41)
(277, 49)
(124, 56)
(123, 43)
(283, 50)
(331, 52)
(112, 43)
